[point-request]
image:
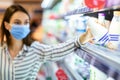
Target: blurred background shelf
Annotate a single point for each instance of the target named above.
(73, 72)
(86, 10)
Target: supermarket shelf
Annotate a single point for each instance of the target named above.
(73, 72)
(79, 11)
(86, 10)
(50, 71)
(70, 76)
(108, 61)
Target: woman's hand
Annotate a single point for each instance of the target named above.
(86, 37)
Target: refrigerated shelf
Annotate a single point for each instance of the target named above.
(74, 73)
(106, 60)
(50, 71)
(61, 64)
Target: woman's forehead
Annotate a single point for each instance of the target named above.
(20, 15)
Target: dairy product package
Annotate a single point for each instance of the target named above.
(114, 29)
(99, 32)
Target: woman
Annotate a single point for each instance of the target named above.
(21, 59)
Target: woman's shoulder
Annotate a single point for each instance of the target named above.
(3, 46)
(37, 44)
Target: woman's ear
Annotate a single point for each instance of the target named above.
(7, 26)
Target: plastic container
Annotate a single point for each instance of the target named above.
(114, 29)
(96, 74)
(80, 27)
(101, 19)
(99, 32)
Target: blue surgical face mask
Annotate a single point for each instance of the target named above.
(20, 31)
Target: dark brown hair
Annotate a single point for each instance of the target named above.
(7, 16)
(33, 26)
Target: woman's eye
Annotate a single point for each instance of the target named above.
(17, 23)
(26, 22)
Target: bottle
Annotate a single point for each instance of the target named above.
(101, 19)
(114, 30)
(99, 32)
(80, 27)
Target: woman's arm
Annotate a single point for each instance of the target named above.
(58, 51)
(55, 52)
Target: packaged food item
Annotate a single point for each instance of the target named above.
(99, 32)
(98, 4)
(101, 19)
(61, 75)
(96, 74)
(114, 30)
(80, 27)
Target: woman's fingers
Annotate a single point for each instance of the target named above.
(86, 37)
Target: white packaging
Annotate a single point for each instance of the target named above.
(97, 74)
(101, 18)
(110, 78)
(99, 32)
(114, 30)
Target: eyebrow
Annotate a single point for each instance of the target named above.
(20, 20)
(15, 20)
